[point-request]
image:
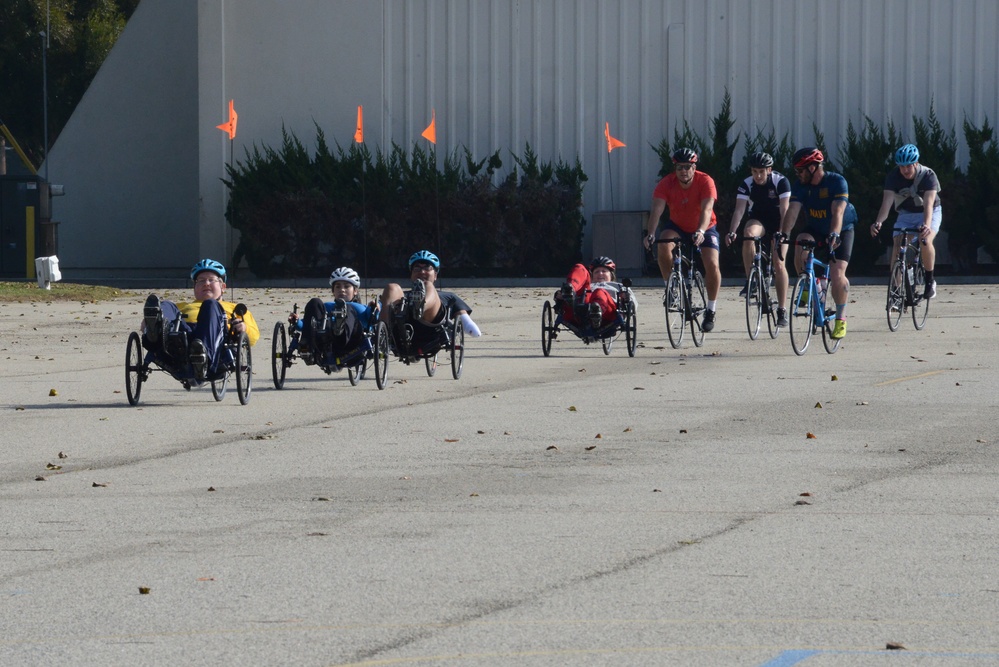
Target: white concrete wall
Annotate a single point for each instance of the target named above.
(500, 74)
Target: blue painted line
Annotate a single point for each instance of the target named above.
(793, 657)
(788, 658)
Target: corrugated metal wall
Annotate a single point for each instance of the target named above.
(505, 73)
(501, 74)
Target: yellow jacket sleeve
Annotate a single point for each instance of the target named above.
(252, 330)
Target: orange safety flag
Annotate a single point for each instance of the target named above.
(612, 143)
(230, 126)
(359, 132)
(430, 134)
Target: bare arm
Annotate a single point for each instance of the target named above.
(656, 210)
(887, 197)
(790, 216)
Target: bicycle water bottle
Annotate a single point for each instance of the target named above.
(911, 274)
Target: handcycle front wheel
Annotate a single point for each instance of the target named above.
(431, 363)
(920, 304)
(135, 374)
(220, 386)
(896, 296)
(673, 304)
(630, 328)
(547, 328)
(279, 355)
(381, 354)
(243, 368)
(457, 346)
(698, 306)
(800, 320)
(754, 303)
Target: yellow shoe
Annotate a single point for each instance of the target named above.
(839, 331)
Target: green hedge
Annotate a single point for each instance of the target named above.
(300, 215)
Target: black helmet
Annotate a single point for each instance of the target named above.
(761, 160)
(684, 155)
(806, 156)
(603, 261)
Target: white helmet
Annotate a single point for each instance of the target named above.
(346, 274)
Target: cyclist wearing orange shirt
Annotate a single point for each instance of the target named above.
(690, 196)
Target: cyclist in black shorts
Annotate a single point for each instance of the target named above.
(766, 193)
(829, 216)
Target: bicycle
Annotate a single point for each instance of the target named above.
(684, 300)
(808, 310)
(907, 283)
(761, 295)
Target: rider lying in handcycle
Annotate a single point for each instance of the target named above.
(331, 331)
(415, 317)
(187, 338)
(591, 296)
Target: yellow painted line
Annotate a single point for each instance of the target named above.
(29, 243)
(911, 377)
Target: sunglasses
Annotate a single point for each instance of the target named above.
(684, 167)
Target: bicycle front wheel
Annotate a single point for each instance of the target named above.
(673, 304)
(754, 303)
(920, 304)
(800, 315)
(896, 297)
(831, 344)
(698, 304)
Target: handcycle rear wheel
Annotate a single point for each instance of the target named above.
(673, 304)
(243, 368)
(800, 320)
(754, 303)
(457, 346)
(279, 355)
(698, 304)
(220, 386)
(896, 297)
(547, 328)
(356, 373)
(920, 304)
(134, 372)
(630, 328)
(381, 354)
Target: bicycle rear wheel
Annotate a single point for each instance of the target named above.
(673, 304)
(800, 315)
(920, 304)
(698, 304)
(770, 296)
(279, 355)
(754, 303)
(896, 297)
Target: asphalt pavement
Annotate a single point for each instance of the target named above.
(732, 504)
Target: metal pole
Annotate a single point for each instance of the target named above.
(45, 104)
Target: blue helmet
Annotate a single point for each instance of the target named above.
(425, 256)
(208, 265)
(906, 155)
